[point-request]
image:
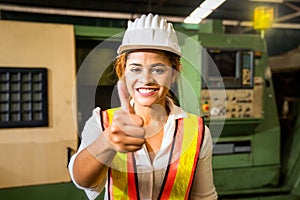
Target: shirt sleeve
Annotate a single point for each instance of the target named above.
(90, 133)
(203, 187)
(207, 145)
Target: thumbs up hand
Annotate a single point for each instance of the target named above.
(126, 133)
(157, 116)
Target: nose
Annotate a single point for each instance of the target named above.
(146, 77)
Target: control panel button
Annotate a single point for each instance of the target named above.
(205, 107)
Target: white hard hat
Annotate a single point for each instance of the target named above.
(150, 32)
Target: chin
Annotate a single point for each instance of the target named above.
(147, 102)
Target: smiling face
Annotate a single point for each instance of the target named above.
(148, 75)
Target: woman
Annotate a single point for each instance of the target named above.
(149, 148)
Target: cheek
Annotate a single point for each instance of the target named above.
(165, 81)
(130, 80)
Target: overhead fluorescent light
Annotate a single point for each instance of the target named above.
(200, 13)
(203, 10)
(211, 4)
(190, 20)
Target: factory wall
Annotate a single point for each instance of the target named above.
(39, 155)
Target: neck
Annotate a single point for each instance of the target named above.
(156, 112)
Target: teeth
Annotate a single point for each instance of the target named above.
(145, 91)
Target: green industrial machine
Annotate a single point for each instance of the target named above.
(238, 104)
(247, 153)
(240, 99)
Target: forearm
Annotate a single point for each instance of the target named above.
(92, 163)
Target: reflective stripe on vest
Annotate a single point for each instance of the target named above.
(179, 176)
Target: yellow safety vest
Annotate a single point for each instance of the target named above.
(177, 183)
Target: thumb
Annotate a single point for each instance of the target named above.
(124, 96)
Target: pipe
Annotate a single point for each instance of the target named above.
(120, 15)
(80, 13)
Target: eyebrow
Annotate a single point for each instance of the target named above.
(152, 65)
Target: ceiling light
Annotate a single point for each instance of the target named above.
(211, 4)
(200, 13)
(204, 9)
(190, 20)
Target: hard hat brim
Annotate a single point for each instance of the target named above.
(127, 48)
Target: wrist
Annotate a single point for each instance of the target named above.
(102, 150)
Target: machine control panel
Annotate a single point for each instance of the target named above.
(230, 103)
(229, 87)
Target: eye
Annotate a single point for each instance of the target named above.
(157, 70)
(135, 69)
